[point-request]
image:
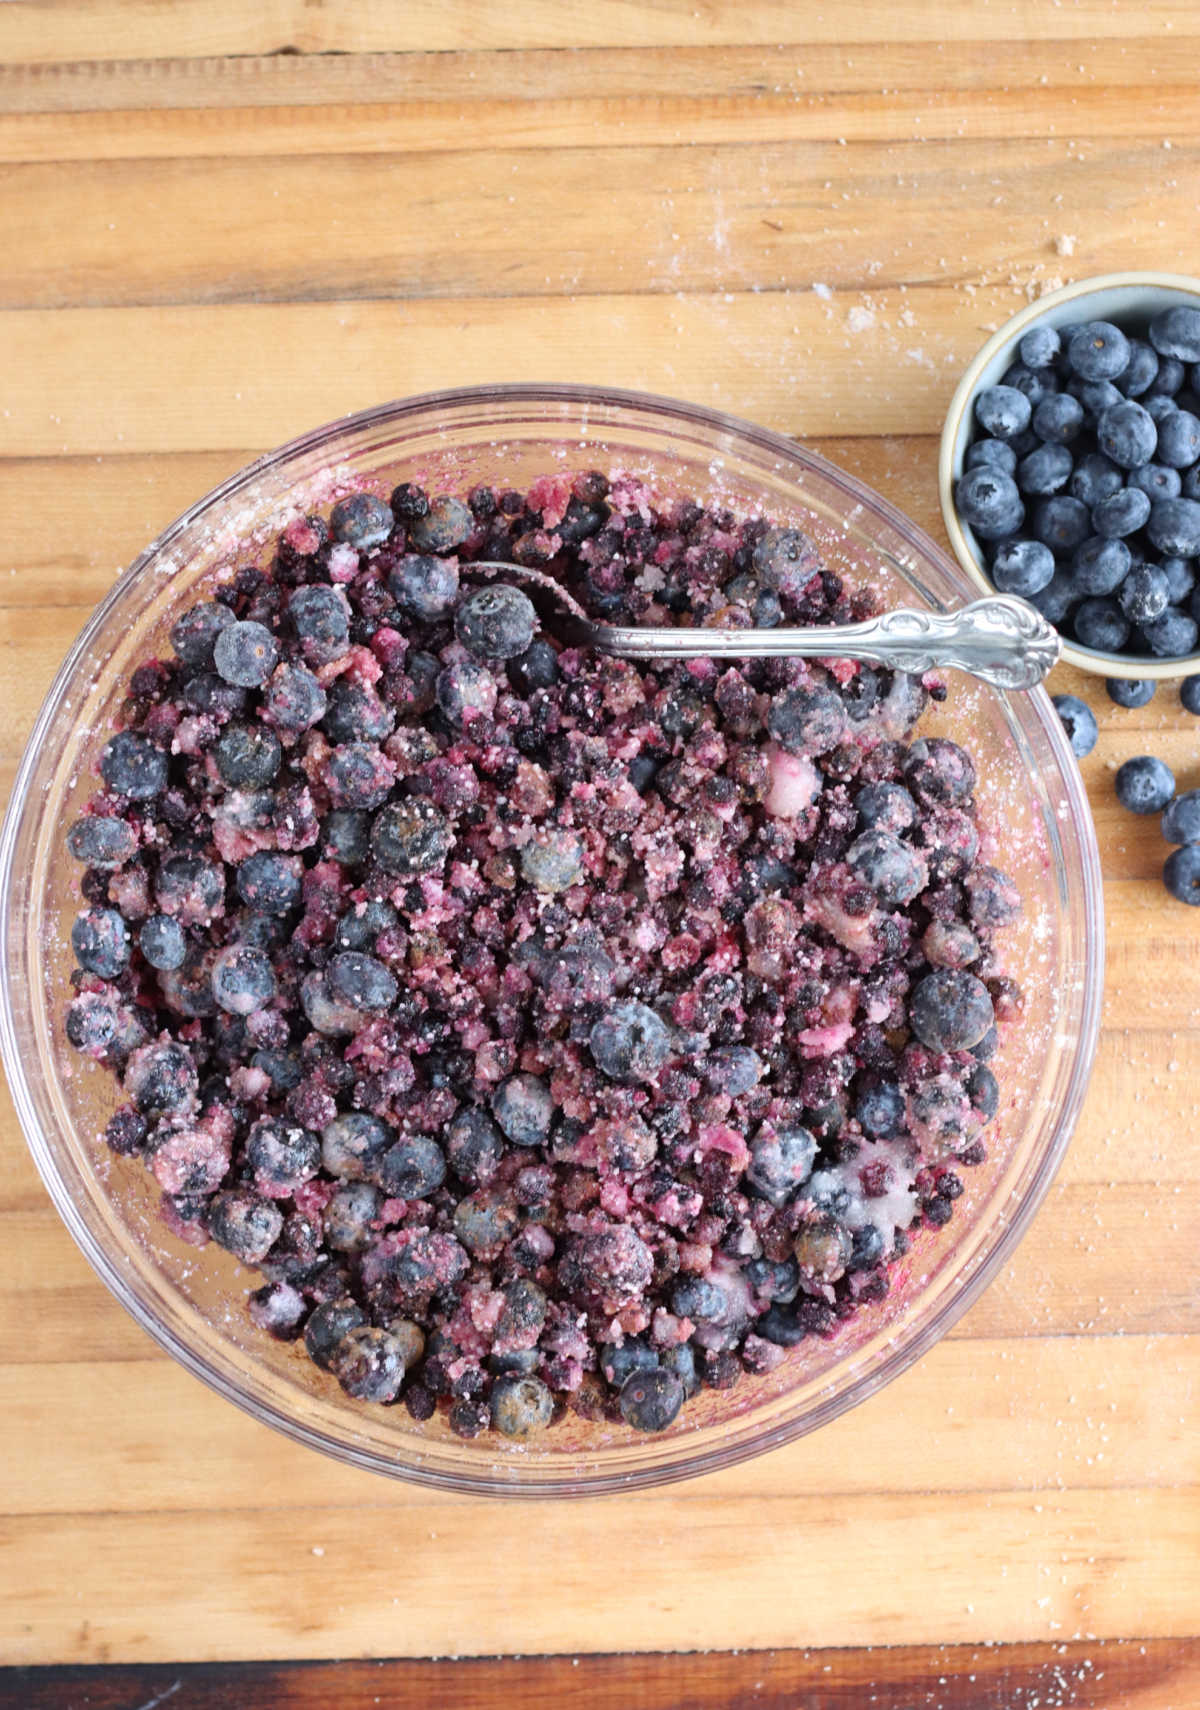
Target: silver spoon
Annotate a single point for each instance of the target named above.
(1001, 640)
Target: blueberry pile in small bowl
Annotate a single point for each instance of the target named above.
(1070, 470)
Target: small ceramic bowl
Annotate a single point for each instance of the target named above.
(1129, 299)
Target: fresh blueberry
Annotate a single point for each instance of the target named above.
(1156, 481)
(523, 1106)
(781, 1158)
(1189, 694)
(361, 521)
(1140, 372)
(245, 1225)
(474, 1146)
(1127, 434)
(1096, 477)
(651, 1400)
(352, 1145)
(1144, 594)
(1062, 523)
(245, 654)
(521, 1406)
(1181, 818)
(282, 1155)
(270, 882)
(892, 869)
(1189, 487)
(1079, 722)
(989, 501)
(1098, 351)
(162, 942)
(413, 1168)
(536, 668)
(552, 861)
(100, 940)
(807, 721)
(320, 620)
(630, 1042)
(1174, 527)
(1130, 691)
(248, 756)
(1100, 565)
(194, 634)
(1002, 411)
(328, 1324)
(369, 1364)
(1170, 377)
(1046, 470)
(496, 623)
(992, 453)
(1171, 636)
(1181, 874)
(950, 1010)
(1058, 418)
(1122, 513)
(885, 807)
(242, 979)
(1181, 579)
(464, 689)
(1034, 384)
(1145, 784)
(410, 837)
(424, 587)
(1055, 600)
(346, 837)
(293, 700)
(133, 766)
(1096, 396)
(1101, 624)
(1176, 332)
(446, 524)
(361, 981)
(101, 842)
(1179, 439)
(1040, 346)
(879, 1107)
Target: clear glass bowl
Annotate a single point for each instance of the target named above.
(1030, 795)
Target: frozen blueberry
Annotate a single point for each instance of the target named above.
(425, 587)
(536, 668)
(1096, 477)
(651, 1400)
(1181, 819)
(1144, 784)
(191, 887)
(1100, 565)
(1181, 874)
(1045, 470)
(270, 882)
(242, 979)
(293, 700)
(348, 1217)
(989, 501)
(880, 1109)
(282, 1155)
(1098, 351)
(1101, 624)
(360, 521)
(1130, 691)
(355, 713)
(1002, 411)
(446, 524)
(1189, 694)
(360, 926)
(318, 616)
(245, 1225)
(893, 870)
(630, 1042)
(485, 1222)
(410, 837)
(553, 860)
(1179, 439)
(413, 1168)
(325, 1329)
(194, 635)
(279, 1309)
(345, 837)
(369, 1364)
(1174, 527)
(208, 693)
(1176, 332)
(994, 453)
(1062, 523)
(101, 842)
(950, 1010)
(1144, 594)
(807, 721)
(733, 1069)
(1172, 635)
(133, 766)
(362, 981)
(939, 772)
(245, 654)
(352, 1145)
(1127, 434)
(474, 1146)
(524, 1108)
(781, 1159)
(92, 1023)
(408, 500)
(521, 1406)
(496, 622)
(248, 756)
(100, 940)
(162, 942)
(1079, 722)
(1040, 346)
(784, 559)
(1058, 418)
(1156, 481)
(358, 776)
(464, 689)
(885, 807)
(281, 1068)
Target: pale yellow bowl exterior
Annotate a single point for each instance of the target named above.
(1105, 296)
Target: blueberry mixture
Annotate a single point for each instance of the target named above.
(1084, 487)
(549, 1032)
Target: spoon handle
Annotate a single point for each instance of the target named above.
(1001, 640)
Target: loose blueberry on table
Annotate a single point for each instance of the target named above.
(548, 1031)
(1084, 487)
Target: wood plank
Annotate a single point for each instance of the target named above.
(1153, 1674)
(483, 218)
(66, 30)
(446, 1577)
